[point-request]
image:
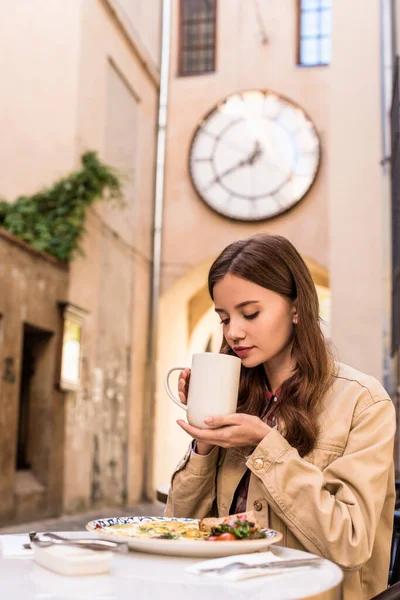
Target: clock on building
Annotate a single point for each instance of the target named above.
(254, 156)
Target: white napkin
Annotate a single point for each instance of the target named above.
(12, 546)
(238, 574)
(71, 560)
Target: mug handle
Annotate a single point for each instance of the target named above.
(168, 389)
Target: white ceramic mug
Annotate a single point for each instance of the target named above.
(213, 387)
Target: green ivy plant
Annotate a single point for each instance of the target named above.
(53, 219)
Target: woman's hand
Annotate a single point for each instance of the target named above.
(183, 385)
(231, 432)
(183, 388)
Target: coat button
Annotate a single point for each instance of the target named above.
(258, 463)
(257, 505)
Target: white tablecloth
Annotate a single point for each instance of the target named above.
(139, 576)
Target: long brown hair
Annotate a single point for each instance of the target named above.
(272, 262)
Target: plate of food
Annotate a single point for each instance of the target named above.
(210, 537)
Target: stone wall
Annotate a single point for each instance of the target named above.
(32, 286)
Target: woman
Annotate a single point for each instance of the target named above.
(311, 446)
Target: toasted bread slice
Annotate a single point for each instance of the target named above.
(209, 522)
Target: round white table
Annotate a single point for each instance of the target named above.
(141, 576)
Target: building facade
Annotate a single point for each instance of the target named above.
(276, 122)
(81, 75)
(319, 58)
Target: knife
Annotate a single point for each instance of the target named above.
(279, 564)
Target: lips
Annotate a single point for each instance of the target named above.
(242, 351)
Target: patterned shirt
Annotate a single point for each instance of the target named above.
(240, 498)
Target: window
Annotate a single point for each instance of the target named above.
(71, 351)
(315, 39)
(197, 37)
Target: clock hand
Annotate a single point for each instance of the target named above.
(257, 152)
(242, 163)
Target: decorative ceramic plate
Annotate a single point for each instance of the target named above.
(175, 537)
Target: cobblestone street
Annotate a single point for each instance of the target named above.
(78, 522)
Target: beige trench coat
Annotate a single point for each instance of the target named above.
(336, 502)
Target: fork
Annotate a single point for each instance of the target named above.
(281, 564)
(53, 538)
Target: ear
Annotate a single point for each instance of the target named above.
(295, 316)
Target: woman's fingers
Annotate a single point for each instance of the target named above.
(231, 431)
(211, 435)
(203, 435)
(187, 381)
(183, 385)
(233, 419)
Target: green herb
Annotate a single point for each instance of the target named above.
(52, 220)
(240, 529)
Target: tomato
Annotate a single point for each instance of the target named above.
(224, 537)
(227, 537)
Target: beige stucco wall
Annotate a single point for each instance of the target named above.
(39, 64)
(338, 225)
(144, 17)
(356, 187)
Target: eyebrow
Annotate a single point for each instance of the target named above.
(241, 305)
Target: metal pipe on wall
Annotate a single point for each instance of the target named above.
(386, 69)
(150, 379)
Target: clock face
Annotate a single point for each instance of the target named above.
(254, 156)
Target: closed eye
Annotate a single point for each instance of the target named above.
(247, 317)
(253, 316)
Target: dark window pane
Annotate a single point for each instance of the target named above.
(197, 9)
(198, 61)
(198, 31)
(206, 32)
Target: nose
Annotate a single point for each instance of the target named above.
(235, 331)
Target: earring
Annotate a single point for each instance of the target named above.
(295, 320)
